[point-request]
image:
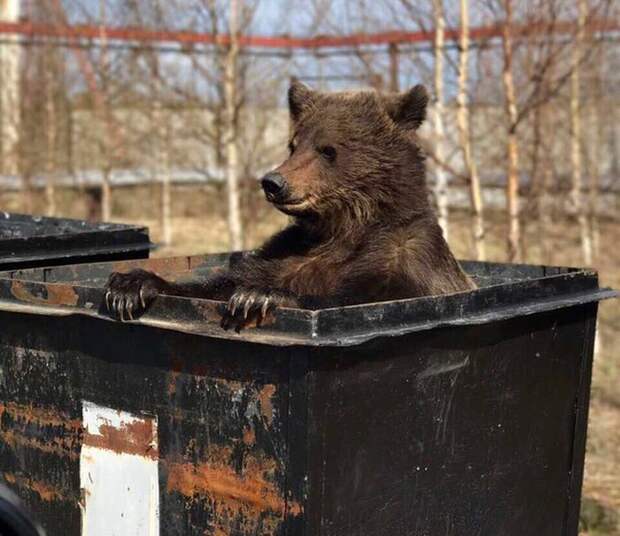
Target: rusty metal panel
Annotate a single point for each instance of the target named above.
(221, 411)
(455, 431)
(465, 412)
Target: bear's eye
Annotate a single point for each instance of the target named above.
(328, 152)
(292, 145)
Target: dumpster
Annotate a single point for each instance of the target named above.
(456, 414)
(29, 241)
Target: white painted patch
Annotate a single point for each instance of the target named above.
(120, 490)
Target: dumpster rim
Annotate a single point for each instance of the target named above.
(309, 333)
(316, 340)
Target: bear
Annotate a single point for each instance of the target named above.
(362, 227)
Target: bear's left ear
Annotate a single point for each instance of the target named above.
(408, 110)
(300, 98)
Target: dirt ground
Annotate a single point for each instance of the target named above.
(199, 227)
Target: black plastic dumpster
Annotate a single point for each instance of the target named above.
(459, 414)
(30, 241)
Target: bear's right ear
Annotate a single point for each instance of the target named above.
(300, 98)
(408, 110)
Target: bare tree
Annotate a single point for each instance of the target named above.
(10, 100)
(161, 119)
(230, 131)
(111, 140)
(160, 123)
(441, 177)
(50, 127)
(475, 192)
(594, 172)
(106, 186)
(512, 148)
(578, 205)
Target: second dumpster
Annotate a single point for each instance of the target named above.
(28, 241)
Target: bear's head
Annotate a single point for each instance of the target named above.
(353, 156)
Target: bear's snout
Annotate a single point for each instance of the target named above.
(274, 186)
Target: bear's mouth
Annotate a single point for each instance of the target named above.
(294, 206)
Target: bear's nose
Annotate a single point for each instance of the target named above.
(274, 185)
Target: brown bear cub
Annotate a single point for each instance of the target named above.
(362, 227)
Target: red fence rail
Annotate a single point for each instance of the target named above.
(144, 35)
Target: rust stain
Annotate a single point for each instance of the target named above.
(44, 490)
(249, 436)
(248, 492)
(39, 414)
(266, 405)
(51, 445)
(56, 294)
(245, 500)
(225, 485)
(138, 437)
(60, 434)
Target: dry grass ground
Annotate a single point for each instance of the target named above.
(199, 227)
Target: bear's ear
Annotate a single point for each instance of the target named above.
(300, 98)
(408, 110)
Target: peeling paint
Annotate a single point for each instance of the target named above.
(130, 438)
(119, 473)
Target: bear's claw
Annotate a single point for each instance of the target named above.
(249, 305)
(129, 295)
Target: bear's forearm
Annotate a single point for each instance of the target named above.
(219, 287)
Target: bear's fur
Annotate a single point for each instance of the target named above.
(362, 227)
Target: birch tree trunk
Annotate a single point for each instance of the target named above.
(545, 209)
(230, 131)
(166, 195)
(577, 203)
(50, 194)
(441, 178)
(512, 148)
(595, 180)
(475, 192)
(9, 90)
(394, 70)
(106, 187)
(10, 103)
(161, 119)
